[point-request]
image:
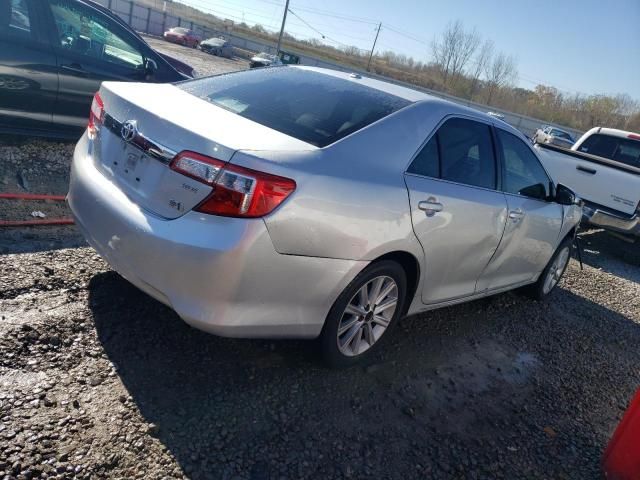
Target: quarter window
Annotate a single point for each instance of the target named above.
(84, 32)
(426, 162)
(523, 174)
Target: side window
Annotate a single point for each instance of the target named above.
(426, 162)
(15, 18)
(85, 32)
(466, 153)
(523, 174)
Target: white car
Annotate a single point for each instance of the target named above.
(264, 60)
(553, 136)
(603, 168)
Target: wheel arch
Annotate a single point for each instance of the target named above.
(411, 267)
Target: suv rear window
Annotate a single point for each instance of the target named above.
(313, 107)
(623, 150)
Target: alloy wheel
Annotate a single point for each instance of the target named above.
(367, 316)
(556, 270)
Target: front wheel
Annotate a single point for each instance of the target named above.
(551, 275)
(364, 314)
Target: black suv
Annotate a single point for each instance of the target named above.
(55, 53)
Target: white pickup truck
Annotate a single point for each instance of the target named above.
(603, 168)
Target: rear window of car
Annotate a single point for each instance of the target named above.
(561, 134)
(313, 107)
(623, 150)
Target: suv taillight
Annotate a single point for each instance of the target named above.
(237, 191)
(96, 115)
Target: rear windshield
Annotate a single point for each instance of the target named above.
(623, 150)
(313, 107)
(561, 134)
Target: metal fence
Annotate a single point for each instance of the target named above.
(155, 22)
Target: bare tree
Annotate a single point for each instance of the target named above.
(482, 59)
(454, 49)
(499, 73)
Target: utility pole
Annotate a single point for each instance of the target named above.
(284, 19)
(374, 45)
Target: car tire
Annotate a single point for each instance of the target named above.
(354, 328)
(552, 273)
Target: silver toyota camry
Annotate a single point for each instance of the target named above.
(302, 202)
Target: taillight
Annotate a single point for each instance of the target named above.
(96, 115)
(633, 136)
(237, 191)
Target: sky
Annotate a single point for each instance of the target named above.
(577, 46)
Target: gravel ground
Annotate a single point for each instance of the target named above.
(204, 63)
(98, 380)
(35, 166)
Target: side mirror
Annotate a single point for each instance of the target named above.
(565, 196)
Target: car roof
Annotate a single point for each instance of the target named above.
(614, 132)
(413, 95)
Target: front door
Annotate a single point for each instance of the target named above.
(457, 213)
(28, 72)
(91, 48)
(534, 222)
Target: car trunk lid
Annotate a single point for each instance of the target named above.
(145, 126)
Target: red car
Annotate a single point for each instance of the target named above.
(183, 36)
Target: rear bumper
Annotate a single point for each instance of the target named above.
(221, 275)
(610, 221)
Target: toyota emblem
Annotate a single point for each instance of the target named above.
(129, 130)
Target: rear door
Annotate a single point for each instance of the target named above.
(90, 48)
(457, 212)
(28, 77)
(533, 223)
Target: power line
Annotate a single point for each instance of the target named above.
(316, 30)
(405, 34)
(316, 11)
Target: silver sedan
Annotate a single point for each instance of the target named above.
(302, 202)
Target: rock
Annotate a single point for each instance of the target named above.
(153, 429)
(94, 380)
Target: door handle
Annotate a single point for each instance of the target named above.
(430, 206)
(590, 171)
(75, 69)
(516, 214)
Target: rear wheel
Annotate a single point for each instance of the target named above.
(364, 314)
(551, 275)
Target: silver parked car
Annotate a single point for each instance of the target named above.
(217, 46)
(553, 136)
(329, 208)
